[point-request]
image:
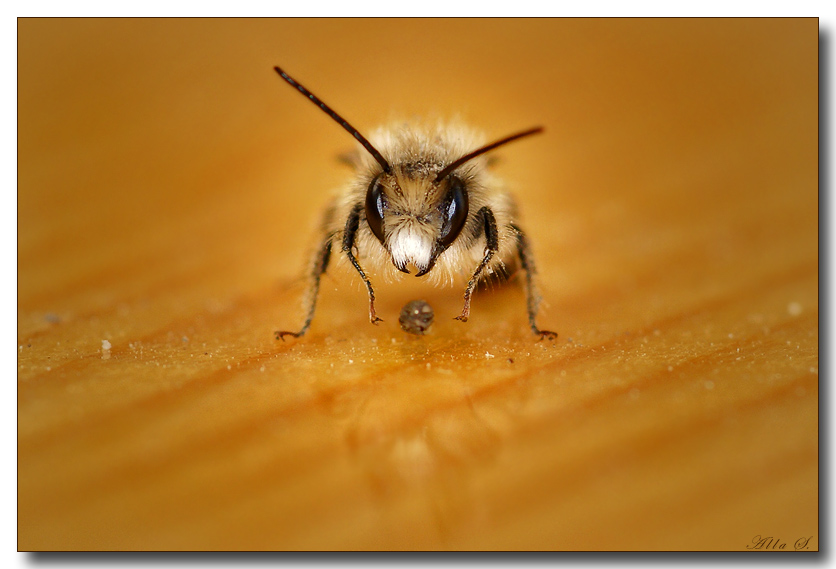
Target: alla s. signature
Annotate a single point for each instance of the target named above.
(769, 543)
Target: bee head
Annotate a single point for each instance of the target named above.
(418, 209)
(416, 217)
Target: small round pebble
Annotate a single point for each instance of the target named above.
(416, 317)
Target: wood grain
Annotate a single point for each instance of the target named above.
(169, 185)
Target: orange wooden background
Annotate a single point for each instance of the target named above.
(168, 186)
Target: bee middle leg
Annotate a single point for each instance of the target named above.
(319, 264)
(532, 296)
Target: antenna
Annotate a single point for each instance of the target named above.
(331, 113)
(446, 171)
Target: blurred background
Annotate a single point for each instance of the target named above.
(168, 187)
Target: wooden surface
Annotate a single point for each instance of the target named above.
(169, 184)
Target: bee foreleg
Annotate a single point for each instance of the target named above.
(351, 226)
(486, 217)
(318, 266)
(532, 296)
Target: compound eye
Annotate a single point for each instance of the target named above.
(376, 205)
(453, 212)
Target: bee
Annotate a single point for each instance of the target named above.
(422, 202)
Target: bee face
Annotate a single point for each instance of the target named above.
(416, 218)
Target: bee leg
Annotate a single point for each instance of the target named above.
(531, 294)
(318, 266)
(491, 247)
(351, 226)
